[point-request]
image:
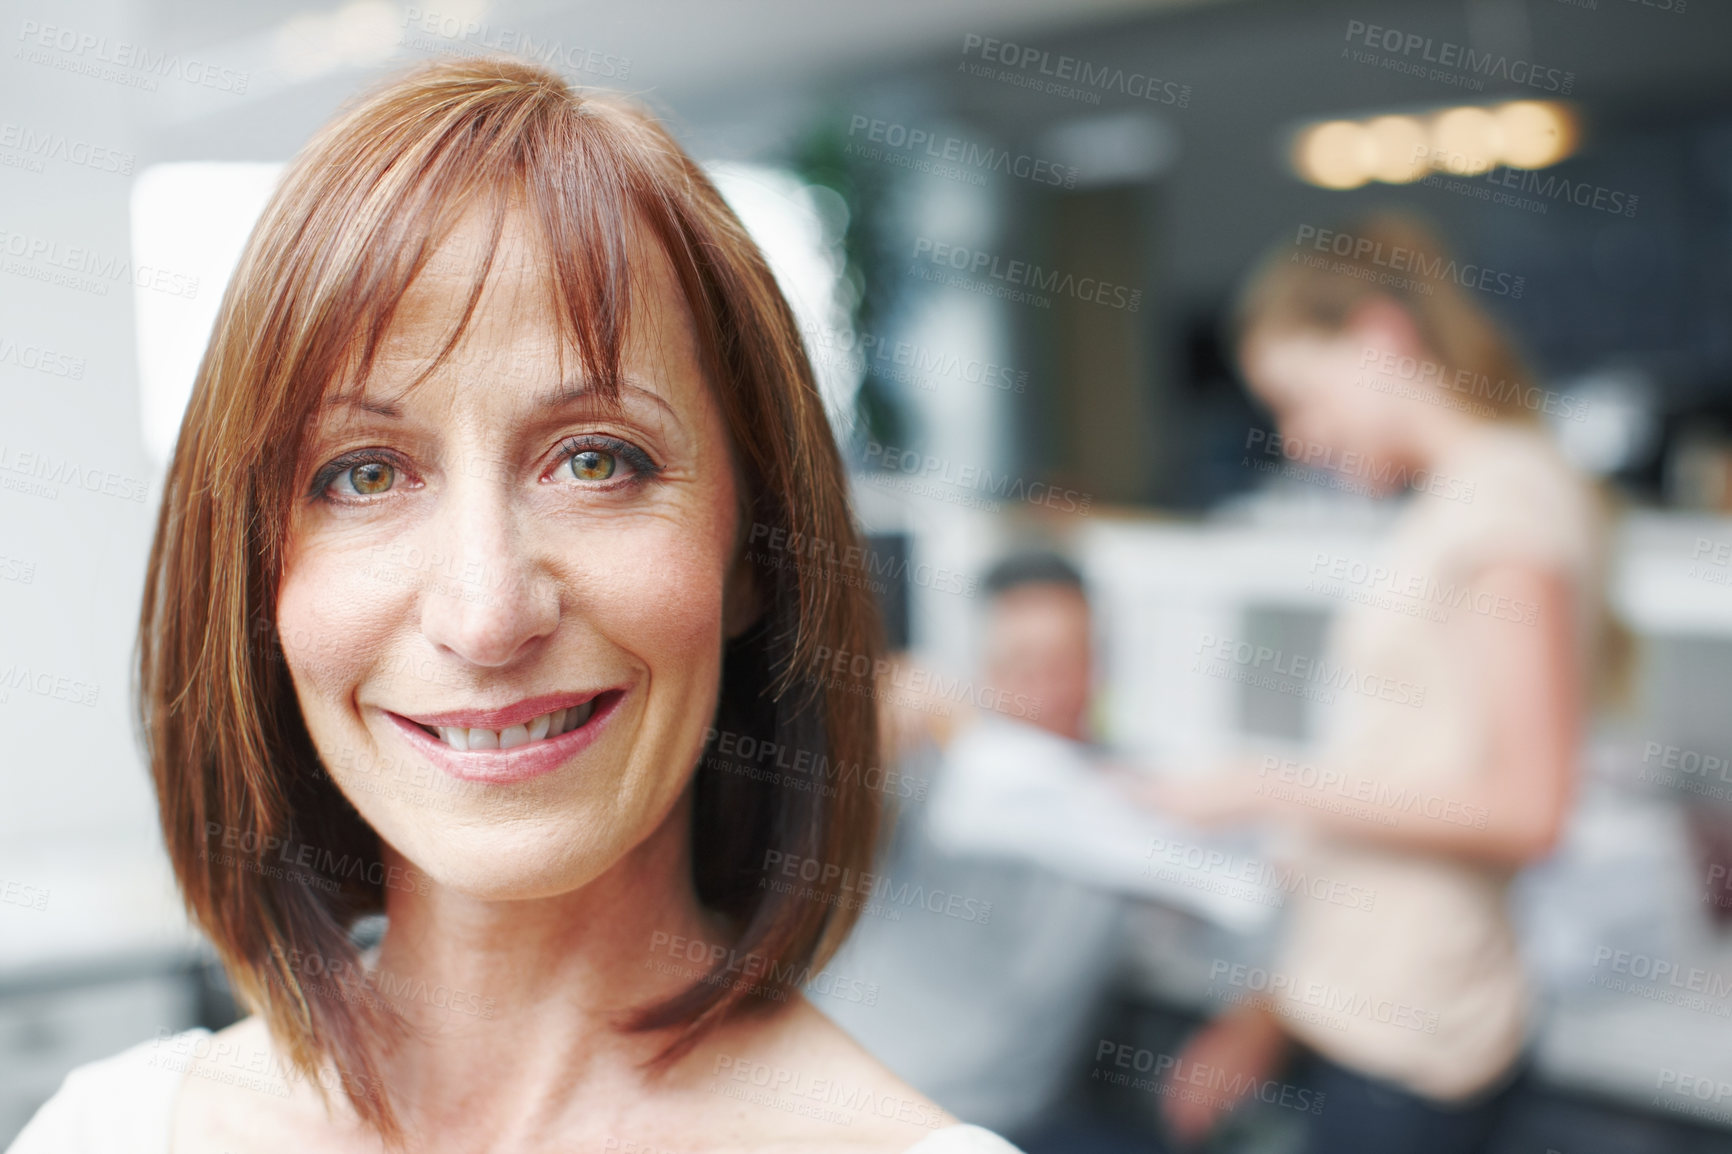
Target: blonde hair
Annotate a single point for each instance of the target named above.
(1299, 285)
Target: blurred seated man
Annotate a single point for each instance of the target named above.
(983, 992)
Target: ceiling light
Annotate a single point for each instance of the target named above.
(1463, 141)
(1334, 155)
(1466, 141)
(1399, 149)
(1536, 133)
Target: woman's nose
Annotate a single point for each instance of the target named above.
(495, 600)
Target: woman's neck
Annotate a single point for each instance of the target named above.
(1440, 436)
(516, 1008)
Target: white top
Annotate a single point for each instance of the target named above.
(1015, 790)
(1423, 983)
(125, 1105)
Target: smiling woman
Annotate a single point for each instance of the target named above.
(447, 602)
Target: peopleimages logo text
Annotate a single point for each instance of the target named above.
(1448, 54)
(1380, 476)
(1550, 185)
(907, 362)
(1389, 367)
(1103, 78)
(1312, 671)
(976, 262)
(93, 50)
(958, 150)
(1400, 259)
(41, 144)
(911, 463)
(545, 50)
(105, 267)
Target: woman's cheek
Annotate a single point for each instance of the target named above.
(322, 587)
(668, 609)
(306, 620)
(334, 615)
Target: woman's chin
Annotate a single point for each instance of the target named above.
(508, 862)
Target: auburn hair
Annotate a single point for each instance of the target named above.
(356, 216)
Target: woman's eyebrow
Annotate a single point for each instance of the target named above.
(565, 393)
(355, 401)
(569, 391)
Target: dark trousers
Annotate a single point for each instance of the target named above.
(1361, 1113)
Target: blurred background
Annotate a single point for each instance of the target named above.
(933, 179)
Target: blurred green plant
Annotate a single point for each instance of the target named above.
(823, 157)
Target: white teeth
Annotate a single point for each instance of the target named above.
(537, 729)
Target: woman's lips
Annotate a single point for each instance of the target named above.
(466, 735)
(518, 713)
(532, 745)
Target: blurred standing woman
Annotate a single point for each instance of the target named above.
(1449, 750)
(447, 607)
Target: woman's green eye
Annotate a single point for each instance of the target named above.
(372, 477)
(592, 464)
